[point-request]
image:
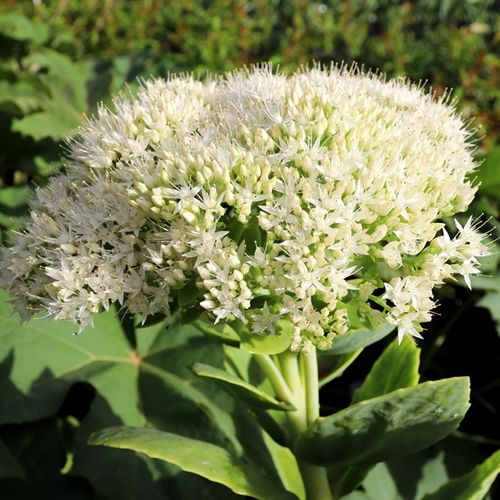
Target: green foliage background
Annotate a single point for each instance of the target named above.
(58, 60)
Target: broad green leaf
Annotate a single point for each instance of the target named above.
(396, 368)
(152, 382)
(63, 106)
(40, 360)
(222, 332)
(244, 365)
(45, 168)
(357, 495)
(491, 301)
(488, 174)
(44, 358)
(424, 472)
(472, 486)
(198, 457)
(351, 479)
(485, 283)
(358, 339)
(287, 467)
(66, 79)
(334, 366)
(25, 96)
(272, 343)
(407, 477)
(241, 389)
(14, 204)
(55, 123)
(380, 484)
(386, 427)
(18, 27)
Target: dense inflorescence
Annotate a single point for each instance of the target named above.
(314, 198)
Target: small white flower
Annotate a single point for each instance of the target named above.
(320, 188)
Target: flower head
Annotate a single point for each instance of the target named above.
(311, 198)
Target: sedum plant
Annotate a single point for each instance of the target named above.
(285, 215)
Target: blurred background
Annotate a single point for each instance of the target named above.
(60, 58)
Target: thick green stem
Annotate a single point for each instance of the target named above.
(275, 377)
(310, 364)
(297, 420)
(305, 389)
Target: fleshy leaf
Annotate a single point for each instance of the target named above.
(286, 466)
(488, 173)
(221, 332)
(241, 389)
(472, 486)
(358, 339)
(396, 368)
(272, 343)
(392, 425)
(191, 455)
(18, 27)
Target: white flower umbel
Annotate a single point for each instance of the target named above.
(314, 198)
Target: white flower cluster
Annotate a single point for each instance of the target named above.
(313, 198)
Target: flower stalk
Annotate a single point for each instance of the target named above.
(300, 372)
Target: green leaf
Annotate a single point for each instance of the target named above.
(396, 368)
(23, 95)
(488, 174)
(198, 457)
(222, 332)
(386, 427)
(14, 205)
(472, 486)
(55, 123)
(485, 283)
(424, 472)
(241, 389)
(351, 479)
(18, 27)
(490, 301)
(272, 343)
(244, 365)
(380, 484)
(66, 79)
(287, 467)
(152, 383)
(358, 339)
(64, 102)
(40, 360)
(46, 358)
